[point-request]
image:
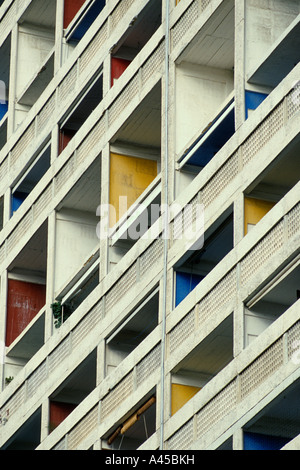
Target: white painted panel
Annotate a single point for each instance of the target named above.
(200, 92)
(75, 238)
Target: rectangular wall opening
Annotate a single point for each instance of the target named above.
(5, 57)
(30, 178)
(76, 227)
(276, 31)
(139, 324)
(35, 59)
(271, 185)
(189, 272)
(142, 29)
(77, 25)
(72, 391)
(202, 364)
(135, 184)
(26, 299)
(28, 436)
(80, 112)
(204, 86)
(277, 424)
(136, 427)
(272, 301)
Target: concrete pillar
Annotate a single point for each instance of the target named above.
(239, 67)
(45, 419)
(13, 81)
(104, 242)
(3, 302)
(238, 440)
(50, 274)
(58, 35)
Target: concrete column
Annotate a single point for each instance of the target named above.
(45, 420)
(3, 302)
(58, 35)
(239, 67)
(6, 206)
(54, 143)
(100, 362)
(106, 74)
(50, 274)
(238, 440)
(12, 83)
(238, 327)
(238, 218)
(104, 243)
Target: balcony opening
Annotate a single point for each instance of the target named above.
(202, 364)
(277, 424)
(135, 166)
(26, 298)
(76, 231)
(72, 391)
(79, 16)
(30, 178)
(271, 185)
(277, 31)
(28, 436)
(27, 285)
(80, 112)
(74, 294)
(135, 428)
(137, 326)
(205, 147)
(205, 84)
(196, 265)
(35, 61)
(273, 300)
(138, 34)
(5, 57)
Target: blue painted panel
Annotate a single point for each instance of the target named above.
(3, 109)
(253, 101)
(17, 199)
(185, 283)
(216, 140)
(253, 441)
(88, 20)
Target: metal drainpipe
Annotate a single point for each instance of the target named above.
(165, 228)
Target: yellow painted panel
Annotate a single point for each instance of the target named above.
(255, 210)
(181, 394)
(129, 177)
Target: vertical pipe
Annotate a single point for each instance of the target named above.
(165, 222)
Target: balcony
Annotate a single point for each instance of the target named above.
(283, 49)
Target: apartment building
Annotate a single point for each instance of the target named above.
(150, 224)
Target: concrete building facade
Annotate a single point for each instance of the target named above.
(150, 224)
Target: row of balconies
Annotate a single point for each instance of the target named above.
(292, 229)
(186, 266)
(136, 371)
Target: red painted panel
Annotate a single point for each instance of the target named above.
(59, 412)
(64, 138)
(71, 7)
(24, 301)
(118, 66)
